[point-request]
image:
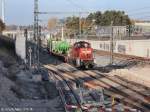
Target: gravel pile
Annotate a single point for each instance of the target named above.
(23, 91)
(25, 94)
(7, 98)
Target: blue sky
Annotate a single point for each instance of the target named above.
(21, 11)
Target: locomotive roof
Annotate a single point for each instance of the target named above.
(81, 42)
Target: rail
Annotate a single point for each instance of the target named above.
(59, 77)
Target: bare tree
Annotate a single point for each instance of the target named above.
(52, 22)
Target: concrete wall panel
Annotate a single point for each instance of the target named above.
(21, 47)
(130, 47)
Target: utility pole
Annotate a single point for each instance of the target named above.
(36, 33)
(80, 27)
(62, 33)
(30, 57)
(3, 10)
(111, 44)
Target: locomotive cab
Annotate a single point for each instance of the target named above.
(82, 54)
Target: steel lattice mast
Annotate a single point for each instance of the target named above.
(36, 33)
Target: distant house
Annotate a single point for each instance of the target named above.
(142, 28)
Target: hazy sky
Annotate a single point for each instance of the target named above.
(21, 11)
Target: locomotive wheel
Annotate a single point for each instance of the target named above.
(90, 66)
(83, 67)
(73, 62)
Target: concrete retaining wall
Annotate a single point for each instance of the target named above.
(129, 47)
(20, 46)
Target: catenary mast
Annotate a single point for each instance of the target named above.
(3, 10)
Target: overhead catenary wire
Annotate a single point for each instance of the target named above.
(139, 13)
(144, 17)
(57, 12)
(138, 9)
(75, 5)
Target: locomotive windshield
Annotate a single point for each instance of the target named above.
(82, 45)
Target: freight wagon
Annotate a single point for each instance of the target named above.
(58, 48)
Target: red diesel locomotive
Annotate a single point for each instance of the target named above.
(81, 54)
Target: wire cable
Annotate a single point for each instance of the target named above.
(137, 10)
(139, 13)
(75, 5)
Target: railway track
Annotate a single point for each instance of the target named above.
(126, 92)
(125, 85)
(118, 86)
(125, 57)
(84, 107)
(58, 77)
(123, 94)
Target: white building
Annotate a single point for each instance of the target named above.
(106, 31)
(142, 28)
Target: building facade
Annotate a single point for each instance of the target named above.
(118, 32)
